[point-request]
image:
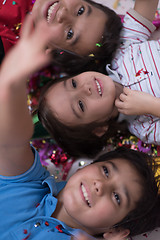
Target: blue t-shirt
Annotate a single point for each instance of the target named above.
(27, 202)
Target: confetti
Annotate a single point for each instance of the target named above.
(4, 2)
(91, 55)
(99, 44)
(17, 26)
(115, 5)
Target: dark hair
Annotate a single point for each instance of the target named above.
(78, 140)
(71, 62)
(145, 217)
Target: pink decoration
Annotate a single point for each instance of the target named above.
(143, 148)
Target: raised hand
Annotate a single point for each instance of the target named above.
(29, 55)
(16, 126)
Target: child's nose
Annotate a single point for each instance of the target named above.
(87, 89)
(62, 14)
(103, 187)
(99, 187)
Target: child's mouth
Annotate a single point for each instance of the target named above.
(99, 87)
(85, 195)
(50, 11)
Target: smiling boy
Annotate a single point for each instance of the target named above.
(98, 196)
(74, 23)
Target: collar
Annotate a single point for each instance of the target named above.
(113, 74)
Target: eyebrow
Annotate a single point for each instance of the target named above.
(125, 190)
(89, 11)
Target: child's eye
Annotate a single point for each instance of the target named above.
(70, 34)
(117, 198)
(74, 84)
(105, 169)
(81, 11)
(81, 106)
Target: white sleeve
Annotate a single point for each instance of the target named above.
(136, 29)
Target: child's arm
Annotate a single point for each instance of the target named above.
(16, 126)
(146, 8)
(132, 102)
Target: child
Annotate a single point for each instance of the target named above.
(73, 22)
(79, 135)
(97, 198)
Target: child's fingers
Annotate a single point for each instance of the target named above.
(83, 236)
(126, 90)
(27, 27)
(41, 34)
(120, 106)
(122, 97)
(114, 236)
(44, 33)
(118, 103)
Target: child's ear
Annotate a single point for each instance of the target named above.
(48, 50)
(116, 234)
(100, 131)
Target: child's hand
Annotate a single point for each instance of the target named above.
(83, 236)
(117, 234)
(29, 54)
(34, 42)
(115, 237)
(106, 236)
(133, 102)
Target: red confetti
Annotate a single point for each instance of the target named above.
(46, 223)
(25, 231)
(37, 205)
(26, 237)
(120, 144)
(59, 228)
(139, 72)
(145, 235)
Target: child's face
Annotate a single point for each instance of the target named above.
(82, 99)
(101, 195)
(78, 25)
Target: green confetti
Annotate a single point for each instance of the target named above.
(99, 44)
